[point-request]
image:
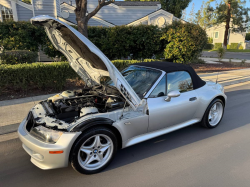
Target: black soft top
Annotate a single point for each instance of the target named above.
(172, 67)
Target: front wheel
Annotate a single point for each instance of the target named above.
(213, 114)
(94, 150)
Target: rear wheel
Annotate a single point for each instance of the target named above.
(213, 114)
(94, 150)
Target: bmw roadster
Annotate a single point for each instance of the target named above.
(86, 127)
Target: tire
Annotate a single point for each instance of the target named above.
(208, 121)
(91, 160)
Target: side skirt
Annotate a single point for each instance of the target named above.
(157, 133)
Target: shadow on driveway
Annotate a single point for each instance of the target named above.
(236, 115)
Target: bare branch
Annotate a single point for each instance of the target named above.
(100, 5)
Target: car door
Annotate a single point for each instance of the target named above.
(178, 110)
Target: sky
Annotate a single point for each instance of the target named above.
(198, 3)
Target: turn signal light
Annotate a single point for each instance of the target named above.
(55, 152)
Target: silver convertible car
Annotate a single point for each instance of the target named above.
(114, 109)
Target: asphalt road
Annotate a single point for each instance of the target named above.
(191, 157)
(228, 55)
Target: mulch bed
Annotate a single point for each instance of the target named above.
(224, 66)
(9, 93)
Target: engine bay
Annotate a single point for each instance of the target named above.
(70, 105)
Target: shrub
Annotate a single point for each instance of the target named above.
(42, 76)
(228, 46)
(142, 41)
(20, 35)
(217, 45)
(185, 41)
(221, 52)
(234, 46)
(247, 36)
(209, 46)
(241, 47)
(243, 62)
(18, 57)
(210, 40)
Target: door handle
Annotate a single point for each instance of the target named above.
(192, 98)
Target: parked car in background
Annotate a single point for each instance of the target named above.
(86, 127)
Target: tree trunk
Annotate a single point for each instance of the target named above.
(83, 27)
(81, 17)
(227, 25)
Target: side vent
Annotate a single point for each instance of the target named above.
(125, 93)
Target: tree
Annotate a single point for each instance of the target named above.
(82, 15)
(27, 1)
(191, 15)
(184, 14)
(199, 15)
(233, 14)
(205, 17)
(141, 0)
(175, 6)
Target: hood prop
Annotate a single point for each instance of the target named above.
(123, 110)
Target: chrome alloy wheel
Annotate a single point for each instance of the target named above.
(95, 152)
(215, 114)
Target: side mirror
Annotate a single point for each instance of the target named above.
(171, 94)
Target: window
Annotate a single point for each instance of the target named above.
(216, 34)
(160, 89)
(6, 13)
(139, 78)
(179, 80)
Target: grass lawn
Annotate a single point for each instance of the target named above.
(231, 50)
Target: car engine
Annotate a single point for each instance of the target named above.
(70, 105)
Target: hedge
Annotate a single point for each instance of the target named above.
(209, 46)
(142, 41)
(18, 57)
(185, 41)
(22, 76)
(22, 35)
(210, 40)
(234, 46)
(217, 45)
(43, 76)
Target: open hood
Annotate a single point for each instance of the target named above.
(84, 57)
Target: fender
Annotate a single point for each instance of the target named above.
(92, 122)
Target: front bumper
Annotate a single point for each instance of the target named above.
(39, 151)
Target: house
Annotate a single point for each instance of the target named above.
(117, 13)
(217, 32)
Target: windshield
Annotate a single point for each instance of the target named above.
(139, 78)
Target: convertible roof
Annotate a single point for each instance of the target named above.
(172, 67)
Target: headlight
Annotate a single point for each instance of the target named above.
(45, 134)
